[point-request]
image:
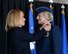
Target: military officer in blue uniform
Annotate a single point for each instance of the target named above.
(51, 44)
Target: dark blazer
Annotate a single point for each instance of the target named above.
(19, 38)
(50, 44)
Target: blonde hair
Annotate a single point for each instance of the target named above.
(12, 19)
(50, 16)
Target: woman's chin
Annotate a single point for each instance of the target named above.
(39, 22)
(23, 24)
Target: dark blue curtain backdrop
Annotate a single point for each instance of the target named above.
(6, 5)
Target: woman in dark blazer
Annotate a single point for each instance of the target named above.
(18, 37)
(51, 44)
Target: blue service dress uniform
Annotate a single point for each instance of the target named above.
(19, 38)
(50, 44)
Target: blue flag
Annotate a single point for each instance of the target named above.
(67, 48)
(31, 30)
(64, 35)
(31, 22)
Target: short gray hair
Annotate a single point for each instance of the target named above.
(50, 15)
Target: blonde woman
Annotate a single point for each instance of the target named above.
(51, 44)
(18, 37)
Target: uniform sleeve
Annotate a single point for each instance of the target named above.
(56, 40)
(26, 36)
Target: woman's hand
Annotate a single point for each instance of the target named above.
(46, 26)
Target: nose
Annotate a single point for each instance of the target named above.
(37, 17)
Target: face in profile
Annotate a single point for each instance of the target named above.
(42, 19)
(21, 19)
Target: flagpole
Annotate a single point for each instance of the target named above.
(31, 25)
(31, 28)
(63, 7)
(51, 7)
(31, 5)
(64, 34)
(51, 1)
